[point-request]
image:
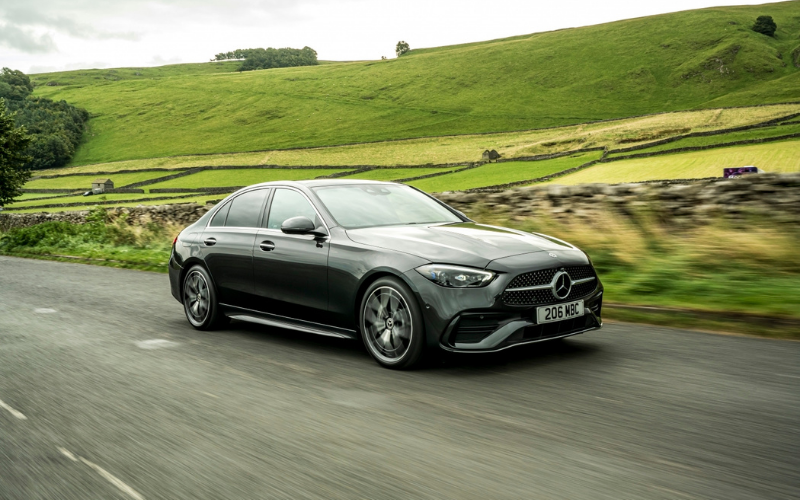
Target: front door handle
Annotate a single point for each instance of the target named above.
(267, 246)
(210, 242)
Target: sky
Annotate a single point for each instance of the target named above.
(39, 36)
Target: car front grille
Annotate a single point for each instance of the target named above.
(544, 277)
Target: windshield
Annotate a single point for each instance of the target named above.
(368, 205)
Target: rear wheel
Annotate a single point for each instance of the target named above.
(200, 300)
(391, 324)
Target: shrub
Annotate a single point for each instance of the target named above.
(765, 25)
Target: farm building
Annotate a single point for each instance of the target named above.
(102, 185)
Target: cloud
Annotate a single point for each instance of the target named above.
(25, 41)
(26, 16)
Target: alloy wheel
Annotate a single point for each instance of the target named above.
(196, 297)
(387, 324)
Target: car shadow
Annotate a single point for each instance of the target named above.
(517, 358)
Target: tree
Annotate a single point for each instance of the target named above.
(402, 48)
(14, 84)
(13, 144)
(765, 25)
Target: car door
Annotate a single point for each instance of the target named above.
(227, 246)
(291, 271)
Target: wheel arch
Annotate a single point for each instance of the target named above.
(371, 278)
(188, 264)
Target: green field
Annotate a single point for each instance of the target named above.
(85, 181)
(391, 174)
(759, 133)
(241, 177)
(685, 60)
(781, 156)
(501, 173)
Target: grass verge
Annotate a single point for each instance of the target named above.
(721, 276)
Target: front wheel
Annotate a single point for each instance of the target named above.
(200, 300)
(391, 324)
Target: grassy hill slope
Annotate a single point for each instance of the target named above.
(692, 59)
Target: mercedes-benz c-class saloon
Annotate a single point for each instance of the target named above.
(381, 262)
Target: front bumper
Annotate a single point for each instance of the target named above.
(477, 320)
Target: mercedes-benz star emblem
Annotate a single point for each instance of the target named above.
(562, 285)
(551, 254)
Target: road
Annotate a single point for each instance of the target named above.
(106, 392)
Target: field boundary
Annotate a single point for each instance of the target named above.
(702, 148)
(106, 202)
(768, 123)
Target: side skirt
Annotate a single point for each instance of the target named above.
(261, 318)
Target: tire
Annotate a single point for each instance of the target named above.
(391, 325)
(200, 300)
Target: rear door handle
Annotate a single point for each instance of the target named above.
(267, 246)
(210, 242)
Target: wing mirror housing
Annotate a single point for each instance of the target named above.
(302, 225)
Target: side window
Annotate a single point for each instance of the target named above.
(220, 216)
(246, 208)
(287, 204)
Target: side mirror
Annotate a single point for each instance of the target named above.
(302, 225)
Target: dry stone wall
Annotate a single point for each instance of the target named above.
(775, 196)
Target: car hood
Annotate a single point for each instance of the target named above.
(467, 244)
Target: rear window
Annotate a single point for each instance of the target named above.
(219, 217)
(246, 209)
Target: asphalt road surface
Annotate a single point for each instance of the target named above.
(106, 392)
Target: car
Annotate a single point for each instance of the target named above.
(381, 262)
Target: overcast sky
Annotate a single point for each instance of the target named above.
(50, 35)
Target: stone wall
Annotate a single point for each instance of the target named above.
(181, 214)
(775, 196)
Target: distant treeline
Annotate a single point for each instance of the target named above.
(55, 127)
(270, 58)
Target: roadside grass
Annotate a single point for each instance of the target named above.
(782, 156)
(117, 245)
(613, 70)
(759, 133)
(241, 177)
(718, 273)
(748, 268)
(84, 181)
(501, 173)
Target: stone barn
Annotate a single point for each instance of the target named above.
(102, 185)
(490, 155)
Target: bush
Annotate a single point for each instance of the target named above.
(765, 25)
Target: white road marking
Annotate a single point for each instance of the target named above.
(44, 310)
(111, 478)
(67, 454)
(12, 411)
(155, 344)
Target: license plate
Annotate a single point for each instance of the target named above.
(559, 312)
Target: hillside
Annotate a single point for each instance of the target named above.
(687, 60)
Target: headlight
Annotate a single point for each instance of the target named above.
(456, 277)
